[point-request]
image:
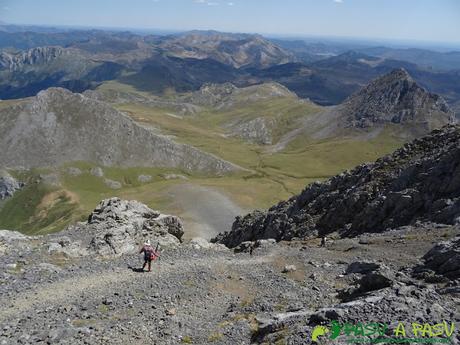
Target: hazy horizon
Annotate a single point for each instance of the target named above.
(364, 41)
(388, 20)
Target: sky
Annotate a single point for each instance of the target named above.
(420, 20)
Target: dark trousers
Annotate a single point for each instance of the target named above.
(149, 262)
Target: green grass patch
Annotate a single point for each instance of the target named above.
(102, 308)
(187, 340)
(216, 336)
(29, 212)
(269, 178)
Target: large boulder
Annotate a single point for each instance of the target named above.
(362, 267)
(444, 258)
(120, 226)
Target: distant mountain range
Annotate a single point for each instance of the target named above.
(325, 73)
(332, 80)
(310, 51)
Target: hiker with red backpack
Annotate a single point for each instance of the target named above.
(150, 254)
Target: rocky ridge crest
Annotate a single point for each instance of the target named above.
(419, 182)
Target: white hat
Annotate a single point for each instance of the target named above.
(147, 243)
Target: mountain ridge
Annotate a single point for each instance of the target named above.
(58, 126)
(417, 183)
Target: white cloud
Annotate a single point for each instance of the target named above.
(206, 2)
(338, 1)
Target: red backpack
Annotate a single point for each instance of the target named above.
(150, 253)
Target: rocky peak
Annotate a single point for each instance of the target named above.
(399, 74)
(396, 98)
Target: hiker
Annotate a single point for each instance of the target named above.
(149, 255)
(323, 241)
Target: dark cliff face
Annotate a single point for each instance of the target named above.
(419, 182)
(395, 98)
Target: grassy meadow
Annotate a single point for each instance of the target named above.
(269, 177)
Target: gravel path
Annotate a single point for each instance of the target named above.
(209, 296)
(69, 289)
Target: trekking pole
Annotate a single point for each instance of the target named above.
(157, 252)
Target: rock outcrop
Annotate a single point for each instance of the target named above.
(34, 56)
(396, 98)
(59, 126)
(119, 226)
(257, 131)
(8, 185)
(419, 182)
(444, 259)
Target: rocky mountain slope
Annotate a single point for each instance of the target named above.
(258, 114)
(58, 126)
(227, 95)
(74, 286)
(245, 110)
(395, 98)
(418, 183)
(393, 106)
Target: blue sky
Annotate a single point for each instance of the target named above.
(424, 20)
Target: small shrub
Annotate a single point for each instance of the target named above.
(215, 337)
(187, 340)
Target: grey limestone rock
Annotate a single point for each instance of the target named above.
(8, 185)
